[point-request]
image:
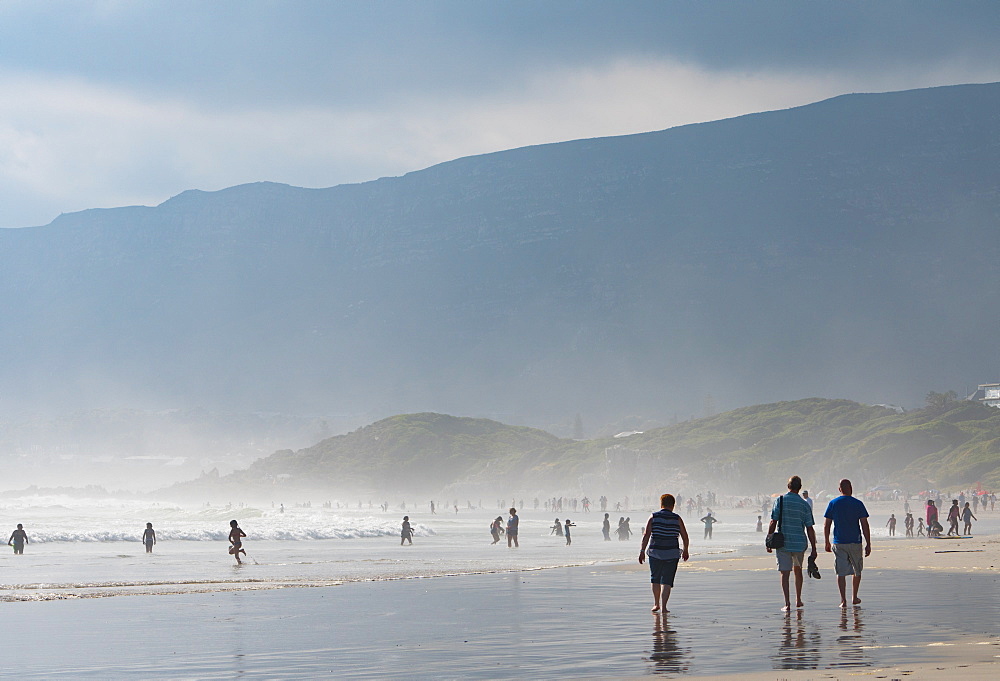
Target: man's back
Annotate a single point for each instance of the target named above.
(846, 513)
(795, 517)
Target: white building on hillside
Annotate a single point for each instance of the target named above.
(988, 394)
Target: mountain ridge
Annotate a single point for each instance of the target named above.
(825, 249)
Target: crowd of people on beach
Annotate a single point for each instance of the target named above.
(665, 540)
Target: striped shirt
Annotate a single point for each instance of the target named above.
(663, 544)
(796, 516)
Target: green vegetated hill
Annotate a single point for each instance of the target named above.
(415, 452)
(823, 440)
(744, 450)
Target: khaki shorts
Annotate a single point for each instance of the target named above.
(848, 559)
(789, 559)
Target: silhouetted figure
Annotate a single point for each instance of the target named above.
(967, 518)
(149, 537)
(496, 529)
(236, 539)
(569, 539)
(709, 520)
(954, 514)
(512, 523)
(406, 534)
(18, 538)
(932, 519)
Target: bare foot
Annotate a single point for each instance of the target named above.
(843, 604)
(857, 601)
(787, 608)
(655, 608)
(800, 604)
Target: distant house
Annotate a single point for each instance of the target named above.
(988, 394)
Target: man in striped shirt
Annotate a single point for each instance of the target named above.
(663, 528)
(797, 525)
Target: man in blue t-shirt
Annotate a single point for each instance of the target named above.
(849, 519)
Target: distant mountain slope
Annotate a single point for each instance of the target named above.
(849, 247)
(742, 451)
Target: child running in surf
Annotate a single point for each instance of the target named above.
(236, 539)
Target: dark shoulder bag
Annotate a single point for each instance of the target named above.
(775, 540)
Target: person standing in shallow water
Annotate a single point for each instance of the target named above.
(406, 533)
(496, 529)
(709, 520)
(569, 539)
(18, 538)
(149, 537)
(512, 523)
(606, 527)
(663, 529)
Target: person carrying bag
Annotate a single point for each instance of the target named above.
(776, 540)
(789, 535)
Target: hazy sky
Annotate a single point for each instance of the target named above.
(117, 103)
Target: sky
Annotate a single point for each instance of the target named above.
(118, 103)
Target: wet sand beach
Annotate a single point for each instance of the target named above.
(923, 613)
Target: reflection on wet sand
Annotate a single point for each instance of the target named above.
(800, 644)
(852, 644)
(668, 656)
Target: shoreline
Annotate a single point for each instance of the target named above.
(583, 622)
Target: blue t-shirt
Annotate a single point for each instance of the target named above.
(846, 513)
(796, 516)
